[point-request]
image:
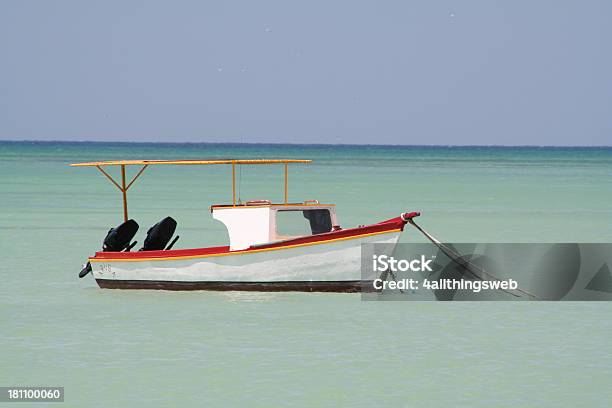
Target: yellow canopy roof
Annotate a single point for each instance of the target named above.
(123, 185)
(189, 162)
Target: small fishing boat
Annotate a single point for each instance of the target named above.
(288, 246)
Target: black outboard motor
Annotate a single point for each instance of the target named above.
(117, 240)
(159, 235)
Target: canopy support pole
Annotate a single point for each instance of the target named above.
(124, 193)
(135, 177)
(108, 176)
(233, 183)
(123, 188)
(286, 183)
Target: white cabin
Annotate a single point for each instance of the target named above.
(261, 222)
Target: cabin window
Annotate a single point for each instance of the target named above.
(292, 223)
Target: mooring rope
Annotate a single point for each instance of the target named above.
(469, 266)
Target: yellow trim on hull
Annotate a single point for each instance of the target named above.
(241, 252)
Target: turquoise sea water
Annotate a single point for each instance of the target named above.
(147, 348)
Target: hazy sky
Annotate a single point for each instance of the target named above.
(402, 72)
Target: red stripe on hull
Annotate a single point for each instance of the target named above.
(388, 225)
(162, 254)
(305, 286)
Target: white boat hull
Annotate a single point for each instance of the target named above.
(326, 266)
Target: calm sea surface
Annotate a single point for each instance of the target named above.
(147, 348)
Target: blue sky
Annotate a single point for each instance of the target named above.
(391, 72)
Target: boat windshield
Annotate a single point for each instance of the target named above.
(303, 222)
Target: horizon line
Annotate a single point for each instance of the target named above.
(293, 144)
